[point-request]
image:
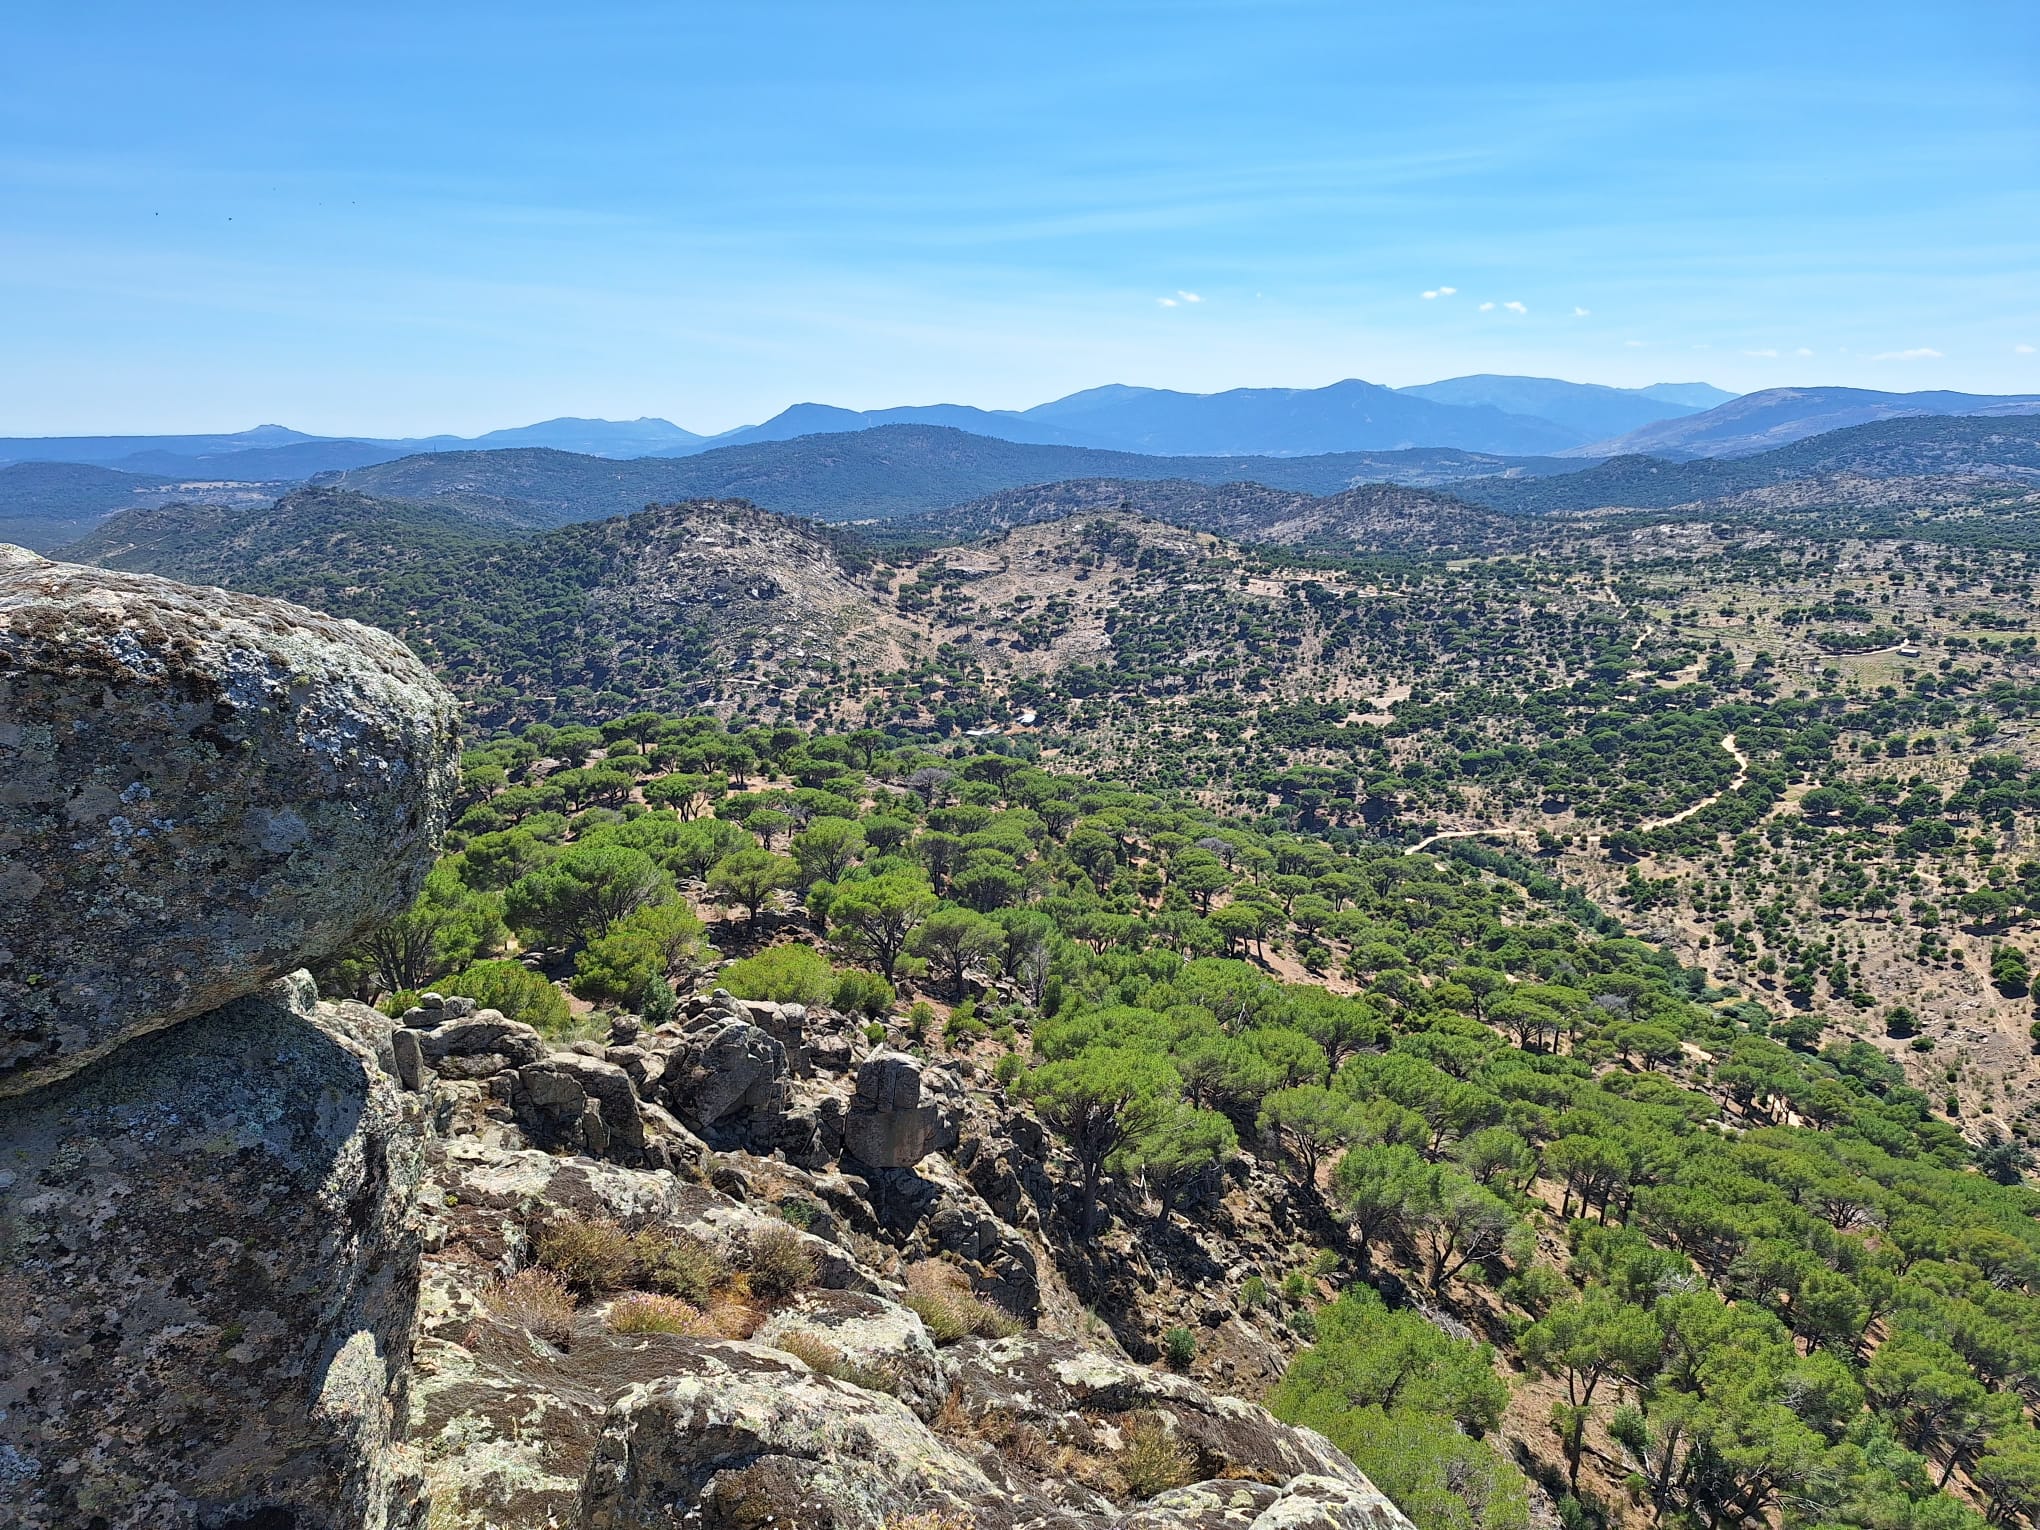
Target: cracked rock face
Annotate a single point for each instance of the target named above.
(198, 793)
(207, 1277)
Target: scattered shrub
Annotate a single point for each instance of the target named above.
(591, 1254)
(798, 1212)
(537, 1301)
(1253, 1293)
(861, 993)
(518, 992)
(1154, 1460)
(1179, 1348)
(780, 1262)
(678, 1264)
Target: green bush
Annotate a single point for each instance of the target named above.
(678, 1264)
(516, 990)
(643, 948)
(1409, 1404)
(1179, 1348)
(861, 993)
(783, 974)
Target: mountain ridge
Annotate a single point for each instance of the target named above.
(1773, 417)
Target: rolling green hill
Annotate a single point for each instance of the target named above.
(879, 474)
(45, 503)
(1997, 447)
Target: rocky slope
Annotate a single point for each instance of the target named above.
(289, 1265)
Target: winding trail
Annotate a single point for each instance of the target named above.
(1742, 774)
(1425, 844)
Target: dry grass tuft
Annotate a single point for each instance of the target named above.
(536, 1300)
(940, 1295)
(1153, 1459)
(645, 1312)
(825, 1359)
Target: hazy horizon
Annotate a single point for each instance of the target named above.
(393, 222)
(428, 431)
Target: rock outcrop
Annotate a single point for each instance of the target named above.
(208, 1253)
(268, 1263)
(198, 793)
(209, 1278)
(897, 1116)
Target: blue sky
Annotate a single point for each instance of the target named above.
(398, 219)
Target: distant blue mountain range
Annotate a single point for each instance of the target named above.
(1506, 416)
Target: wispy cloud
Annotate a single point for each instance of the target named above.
(1635, 345)
(1487, 307)
(1766, 352)
(1167, 302)
(1515, 308)
(1917, 353)
(2022, 350)
(1189, 297)
(1581, 313)
(1438, 292)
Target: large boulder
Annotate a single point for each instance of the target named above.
(198, 792)
(882, 1345)
(1061, 1389)
(1303, 1503)
(901, 1112)
(748, 1436)
(208, 1283)
(728, 1080)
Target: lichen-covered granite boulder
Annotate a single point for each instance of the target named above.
(208, 1272)
(1061, 1389)
(742, 1435)
(199, 792)
(1304, 1503)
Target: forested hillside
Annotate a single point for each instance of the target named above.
(1603, 937)
(1556, 1203)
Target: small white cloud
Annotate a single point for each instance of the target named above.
(1917, 353)
(1581, 313)
(1166, 302)
(1760, 353)
(1803, 351)
(1428, 296)
(1189, 297)
(1515, 308)
(2022, 350)
(1486, 307)
(1634, 345)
